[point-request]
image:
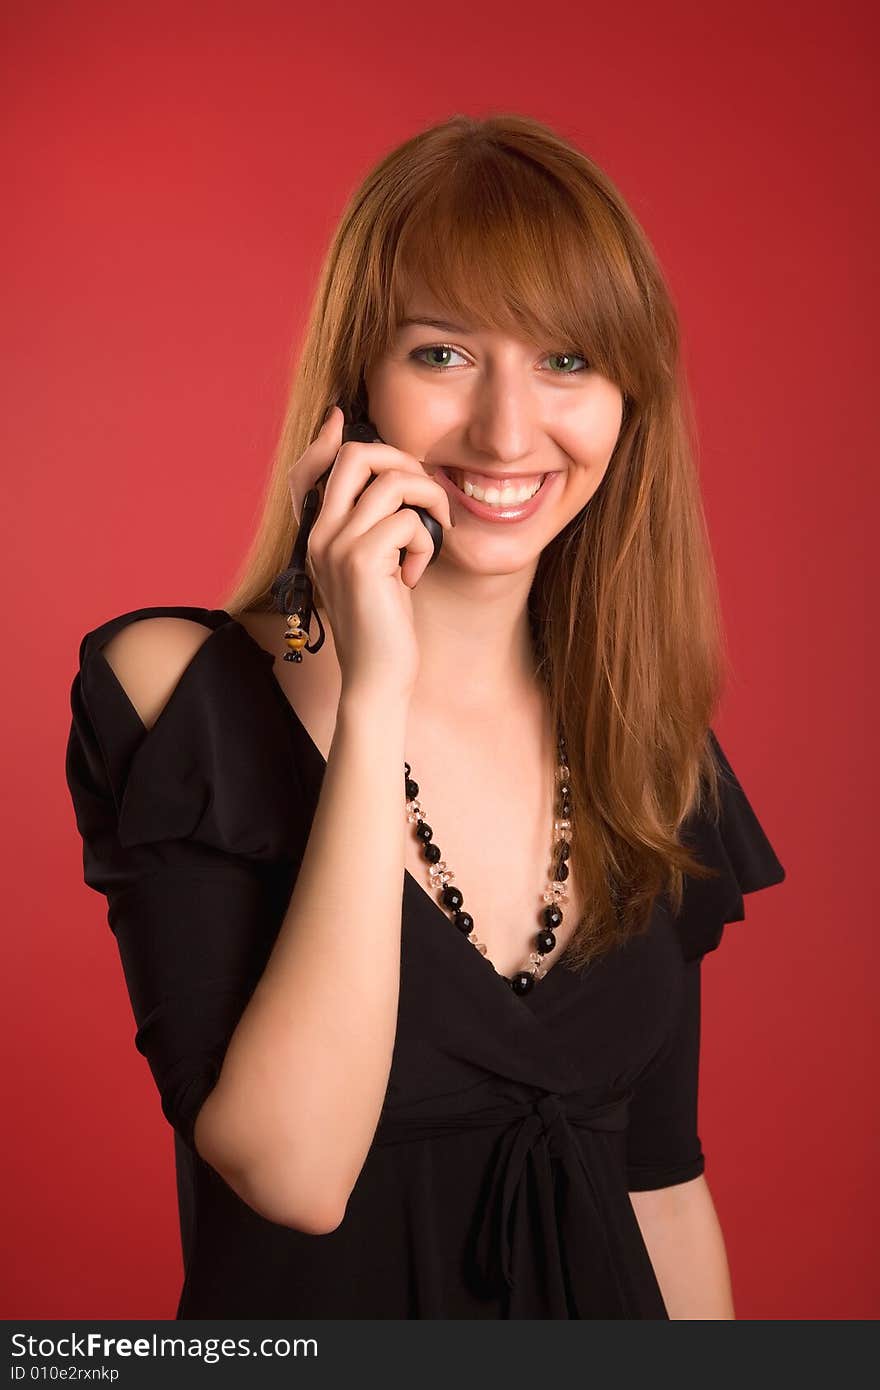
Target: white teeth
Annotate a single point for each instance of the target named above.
(505, 496)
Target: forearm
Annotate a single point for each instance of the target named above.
(294, 1111)
(683, 1236)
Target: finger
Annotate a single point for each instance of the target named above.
(380, 547)
(357, 461)
(315, 459)
(387, 492)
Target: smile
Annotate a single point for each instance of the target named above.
(504, 501)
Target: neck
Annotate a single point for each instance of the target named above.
(475, 646)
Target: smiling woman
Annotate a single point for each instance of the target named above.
(373, 1119)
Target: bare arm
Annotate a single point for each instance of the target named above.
(293, 1114)
(291, 1118)
(681, 1230)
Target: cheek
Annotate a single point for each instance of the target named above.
(590, 453)
(399, 409)
(590, 436)
(412, 419)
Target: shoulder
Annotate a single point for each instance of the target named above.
(179, 729)
(147, 652)
(149, 655)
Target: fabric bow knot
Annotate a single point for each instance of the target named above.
(543, 1231)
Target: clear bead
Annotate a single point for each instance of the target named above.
(556, 893)
(442, 872)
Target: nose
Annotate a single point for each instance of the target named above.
(502, 419)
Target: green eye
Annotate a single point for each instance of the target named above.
(436, 347)
(569, 357)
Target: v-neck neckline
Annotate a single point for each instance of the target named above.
(430, 904)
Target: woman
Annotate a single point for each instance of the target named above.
(404, 1085)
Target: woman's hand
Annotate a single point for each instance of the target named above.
(354, 550)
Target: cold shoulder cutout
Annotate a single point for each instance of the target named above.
(205, 770)
(513, 1128)
(148, 658)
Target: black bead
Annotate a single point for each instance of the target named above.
(566, 808)
(522, 982)
(424, 831)
(452, 897)
(464, 921)
(552, 916)
(407, 769)
(560, 872)
(411, 788)
(564, 790)
(431, 853)
(564, 849)
(545, 942)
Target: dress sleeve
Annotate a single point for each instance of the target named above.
(190, 831)
(663, 1144)
(735, 845)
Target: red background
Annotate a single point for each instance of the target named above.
(175, 175)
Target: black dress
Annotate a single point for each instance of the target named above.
(513, 1126)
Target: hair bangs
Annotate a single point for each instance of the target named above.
(504, 249)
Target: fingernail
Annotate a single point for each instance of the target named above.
(452, 513)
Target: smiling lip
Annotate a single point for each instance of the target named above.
(515, 512)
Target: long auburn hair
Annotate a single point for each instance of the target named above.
(513, 227)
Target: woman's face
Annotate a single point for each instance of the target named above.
(498, 408)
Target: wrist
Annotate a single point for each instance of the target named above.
(374, 702)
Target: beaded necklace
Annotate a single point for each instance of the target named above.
(452, 899)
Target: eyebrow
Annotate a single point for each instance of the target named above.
(442, 324)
